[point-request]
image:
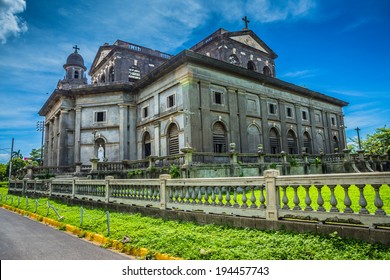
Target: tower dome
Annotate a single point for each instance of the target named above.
(75, 59)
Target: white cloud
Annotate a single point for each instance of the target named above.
(300, 74)
(278, 10)
(10, 23)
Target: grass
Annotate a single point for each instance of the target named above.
(191, 241)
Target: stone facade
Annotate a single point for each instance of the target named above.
(223, 90)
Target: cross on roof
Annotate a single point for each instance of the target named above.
(246, 20)
(76, 48)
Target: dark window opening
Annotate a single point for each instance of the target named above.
(289, 112)
(76, 74)
(100, 116)
(266, 71)
(272, 108)
(217, 97)
(145, 112)
(171, 101)
(304, 115)
(251, 65)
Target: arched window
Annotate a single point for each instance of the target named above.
(335, 144)
(233, 59)
(219, 138)
(292, 142)
(253, 138)
(76, 74)
(266, 71)
(320, 143)
(274, 140)
(173, 139)
(103, 78)
(111, 74)
(134, 73)
(307, 142)
(146, 145)
(251, 65)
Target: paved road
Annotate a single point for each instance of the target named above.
(24, 239)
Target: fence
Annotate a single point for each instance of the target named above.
(342, 198)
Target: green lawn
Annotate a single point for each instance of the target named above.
(191, 241)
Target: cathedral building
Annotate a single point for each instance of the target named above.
(143, 102)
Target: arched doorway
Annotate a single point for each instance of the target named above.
(251, 65)
(274, 140)
(253, 138)
(307, 142)
(335, 143)
(146, 145)
(219, 138)
(292, 142)
(111, 74)
(267, 71)
(173, 139)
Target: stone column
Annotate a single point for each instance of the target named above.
(327, 133)
(132, 137)
(157, 142)
(123, 131)
(264, 125)
(283, 126)
(62, 141)
(234, 116)
(300, 129)
(77, 134)
(205, 121)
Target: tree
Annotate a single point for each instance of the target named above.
(35, 155)
(17, 163)
(17, 154)
(3, 171)
(378, 143)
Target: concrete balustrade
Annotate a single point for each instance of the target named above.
(266, 197)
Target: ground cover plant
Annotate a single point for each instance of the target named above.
(191, 241)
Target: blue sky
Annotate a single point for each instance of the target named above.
(337, 47)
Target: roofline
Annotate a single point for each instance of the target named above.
(83, 90)
(190, 56)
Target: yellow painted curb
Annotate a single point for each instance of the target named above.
(94, 237)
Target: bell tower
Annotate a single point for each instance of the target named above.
(75, 71)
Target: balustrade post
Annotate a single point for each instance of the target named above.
(24, 186)
(49, 183)
(78, 167)
(94, 162)
(163, 190)
(187, 160)
(272, 194)
(74, 187)
(108, 191)
(29, 174)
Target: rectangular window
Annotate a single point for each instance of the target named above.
(333, 120)
(304, 115)
(171, 101)
(289, 112)
(272, 108)
(100, 116)
(217, 97)
(145, 112)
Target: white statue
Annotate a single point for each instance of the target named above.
(101, 153)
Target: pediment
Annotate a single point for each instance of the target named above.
(249, 41)
(103, 54)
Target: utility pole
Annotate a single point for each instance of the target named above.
(358, 135)
(41, 127)
(10, 161)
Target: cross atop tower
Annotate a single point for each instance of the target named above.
(246, 20)
(76, 48)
